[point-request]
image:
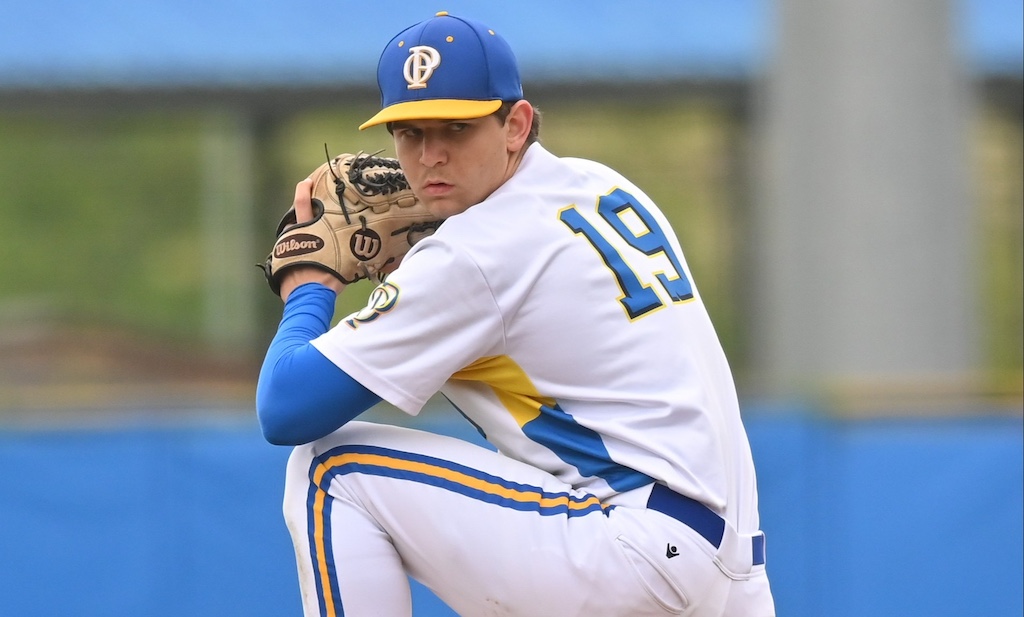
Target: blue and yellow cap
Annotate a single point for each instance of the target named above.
(445, 68)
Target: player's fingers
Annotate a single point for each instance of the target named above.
(302, 203)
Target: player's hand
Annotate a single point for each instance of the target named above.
(355, 218)
(301, 275)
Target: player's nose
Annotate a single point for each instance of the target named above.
(433, 151)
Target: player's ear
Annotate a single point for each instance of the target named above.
(518, 123)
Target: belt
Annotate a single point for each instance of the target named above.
(697, 517)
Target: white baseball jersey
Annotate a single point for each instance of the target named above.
(559, 316)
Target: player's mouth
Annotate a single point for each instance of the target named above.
(436, 189)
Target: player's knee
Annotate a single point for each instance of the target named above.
(299, 461)
(296, 480)
(297, 471)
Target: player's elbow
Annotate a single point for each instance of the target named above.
(306, 398)
(276, 431)
(277, 422)
(275, 427)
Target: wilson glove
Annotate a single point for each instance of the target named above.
(365, 218)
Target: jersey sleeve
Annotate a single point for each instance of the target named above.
(433, 316)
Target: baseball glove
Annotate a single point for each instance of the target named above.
(365, 217)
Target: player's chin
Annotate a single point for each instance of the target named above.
(445, 207)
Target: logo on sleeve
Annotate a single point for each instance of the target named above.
(382, 299)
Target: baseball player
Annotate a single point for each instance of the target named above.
(555, 310)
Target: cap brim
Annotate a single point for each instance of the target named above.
(433, 109)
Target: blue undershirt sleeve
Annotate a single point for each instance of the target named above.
(301, 395)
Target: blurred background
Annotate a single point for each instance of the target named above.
(845, 179)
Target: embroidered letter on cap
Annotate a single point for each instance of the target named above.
(420, 65)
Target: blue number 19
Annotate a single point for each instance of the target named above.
(637, 298)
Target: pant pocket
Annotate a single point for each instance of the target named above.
(654, 579)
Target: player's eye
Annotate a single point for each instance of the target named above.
(408, 132)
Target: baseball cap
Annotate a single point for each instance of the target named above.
(445, 68)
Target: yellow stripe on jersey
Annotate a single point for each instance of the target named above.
(544, 422)
(510, 384)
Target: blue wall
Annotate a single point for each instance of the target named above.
(900, 518)
(228, 43)
(863, 518)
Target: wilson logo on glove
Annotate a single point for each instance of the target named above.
(365, 244)
(299, 244)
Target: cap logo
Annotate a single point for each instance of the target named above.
(420, 65)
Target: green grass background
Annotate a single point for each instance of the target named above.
(101, 222)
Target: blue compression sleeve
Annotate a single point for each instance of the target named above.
(301, 395)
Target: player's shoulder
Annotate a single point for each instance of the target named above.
(586, 165)
(587, 175)
(539, 161)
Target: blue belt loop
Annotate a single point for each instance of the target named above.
(699, 518)
(759, 556)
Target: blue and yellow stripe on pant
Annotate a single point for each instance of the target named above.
(386, 462)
